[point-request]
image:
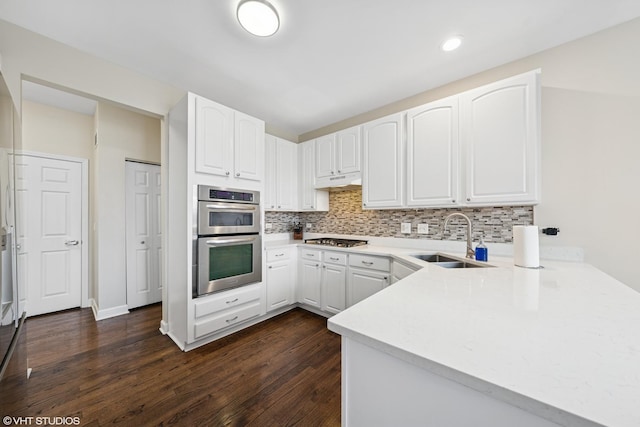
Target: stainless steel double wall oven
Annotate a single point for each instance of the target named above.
(228, 245)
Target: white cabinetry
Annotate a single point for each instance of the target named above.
(338, 153)
(500, 137)
(280, 277)
(228, 143)
(433, 154)
(367, 275)
(383, 163)
(334, 282)
(310, 277)
(310, 198)
(281, 174)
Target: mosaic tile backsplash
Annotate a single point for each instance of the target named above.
(345, 216)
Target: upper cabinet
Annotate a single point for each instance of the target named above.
(478, 148)
(500, 137)
(310, 198)
(383, 163)
(432, 154)
(228, 143)
(338, 153)
(281, 174)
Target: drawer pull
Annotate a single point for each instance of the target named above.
(279, 254)
(311, 254)
(232, 320)
(231, 302)
(367, 263)
(334, 259)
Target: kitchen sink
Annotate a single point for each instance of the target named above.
(446, 261)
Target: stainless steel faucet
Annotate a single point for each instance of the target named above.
(470, 253)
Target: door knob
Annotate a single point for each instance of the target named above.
(72, 243)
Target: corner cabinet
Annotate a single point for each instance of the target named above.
(499, 129)
(310, 199)
(228, 144)
(338, 153)
(281, 175)
(383, 163)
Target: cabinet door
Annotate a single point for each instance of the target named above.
(279, 285)
(310, 282)
(334, 288)
(383, 163)
(432, 154)
(286, 175)
(269, 199)
(214, 137)
(310, 198)
(325, 156)
(500, 135)
(363, 283)
(249, 147)
(348, 150)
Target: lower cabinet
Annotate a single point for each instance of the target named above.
(334, 282)
(217, 312)
(367, 275)
(280, 280)
(310, 275)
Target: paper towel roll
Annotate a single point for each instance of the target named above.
(526, 250)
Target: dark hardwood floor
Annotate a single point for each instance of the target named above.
(122, 371)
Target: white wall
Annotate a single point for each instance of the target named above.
(122, 135)
(53, 130)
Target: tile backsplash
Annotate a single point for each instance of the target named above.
(345, 216)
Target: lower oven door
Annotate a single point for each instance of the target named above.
(226, 262)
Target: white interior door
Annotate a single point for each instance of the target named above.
(49, 198)
(144, 250)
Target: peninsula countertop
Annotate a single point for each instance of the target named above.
(562, 341)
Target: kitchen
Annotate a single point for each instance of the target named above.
(582, 106)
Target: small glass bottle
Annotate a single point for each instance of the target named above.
(482, 253)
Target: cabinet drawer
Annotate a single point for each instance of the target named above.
(339, 258)
(311, 254)
(215, 303)
(400, 271)
(226, 318)
(367, 261)
(278, 254)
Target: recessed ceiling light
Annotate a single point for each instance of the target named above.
(451, 43)
(258, 17)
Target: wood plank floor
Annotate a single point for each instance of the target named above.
(122, 371)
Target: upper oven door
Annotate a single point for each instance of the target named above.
(227, 218)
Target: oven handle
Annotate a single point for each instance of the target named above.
(239, 207)
(226, 242)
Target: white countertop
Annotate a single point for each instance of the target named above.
(562, 342)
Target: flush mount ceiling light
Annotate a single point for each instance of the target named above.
(451, 43)
(258, 17)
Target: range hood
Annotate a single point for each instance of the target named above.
(347, 181)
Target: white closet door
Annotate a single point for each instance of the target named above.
(144, 250)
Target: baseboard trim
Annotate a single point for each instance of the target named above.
(99, 314)
(164, 327)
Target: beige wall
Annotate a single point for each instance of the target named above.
(6, 121)
(51, 130)
(122, 135)
(590, 143)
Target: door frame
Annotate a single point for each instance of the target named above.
(84, 195)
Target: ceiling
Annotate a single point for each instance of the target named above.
(331, 59)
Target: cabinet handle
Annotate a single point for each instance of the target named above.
(272, 206)
(338, 170)
(279, 254)
(367, 263)
(324, 266)
(310, 255)
(227, 173)
(468, 199)
(271, 266)
(364, 204)
(332, 173)
(317, 265)
(453, 201)
(237, 173)
(334, 259)
(232, 320)
(279, 207)
(311, 206)
(231, 302)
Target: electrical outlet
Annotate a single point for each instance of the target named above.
(309, 226)
(268, 226)
(423, 228)
(405, 228)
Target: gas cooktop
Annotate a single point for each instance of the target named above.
(340, 243)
